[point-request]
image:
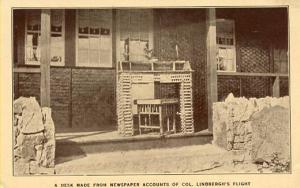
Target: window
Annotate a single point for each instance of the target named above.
(33, 36)
(94, 38)
(226, 58)
(136, 37)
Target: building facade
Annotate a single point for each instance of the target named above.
(243, 51)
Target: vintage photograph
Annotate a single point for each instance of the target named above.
(168, 90)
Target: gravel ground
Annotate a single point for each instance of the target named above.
(203, 159)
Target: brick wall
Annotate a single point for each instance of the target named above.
(86, 95)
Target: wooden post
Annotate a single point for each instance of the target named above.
(211, 49)
(45, 58)
(276, 87)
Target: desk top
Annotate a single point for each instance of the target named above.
(157, 101)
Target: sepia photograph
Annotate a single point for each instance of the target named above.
(150, 90)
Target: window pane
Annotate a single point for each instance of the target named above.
(105, 59)
(83, 56)
(94, 43)
(94, 57)
(225, 43)
(95, 37)
(33, 39)
(83, 42)
(32, 48)
(226, 59)
(57, 48)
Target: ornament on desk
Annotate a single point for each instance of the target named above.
(148, 52)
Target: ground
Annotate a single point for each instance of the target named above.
(205, 159)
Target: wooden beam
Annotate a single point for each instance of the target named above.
(251, 74)
(26, 69)
(45, 58)
(117, 37)
(19, 20)
(276, 87)
(114, 39)
(70, 37)
(211, 49)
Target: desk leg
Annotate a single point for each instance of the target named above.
(139, 115)
(160, 120)
(174, 118)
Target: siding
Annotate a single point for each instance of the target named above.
(80, 97)
(187, 29)
(93, 98)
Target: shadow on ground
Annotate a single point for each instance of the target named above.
(64, 154)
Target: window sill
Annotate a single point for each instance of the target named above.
(36, 68)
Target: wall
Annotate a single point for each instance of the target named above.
(186, 28)
(93, 98)
(80, 97)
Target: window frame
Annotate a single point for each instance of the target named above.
(228, 46)
(88, 64)
(62, 63)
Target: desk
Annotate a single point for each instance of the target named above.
(150, 109)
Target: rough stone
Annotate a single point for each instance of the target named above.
(21, 168)
(220, 139)
(26, 148)
(48, 153)
(238, 146)
(36, 169)
(31, 115)
(238, 139)
(271, 133)
(258, 127)
(248, 127)
(34, 138)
